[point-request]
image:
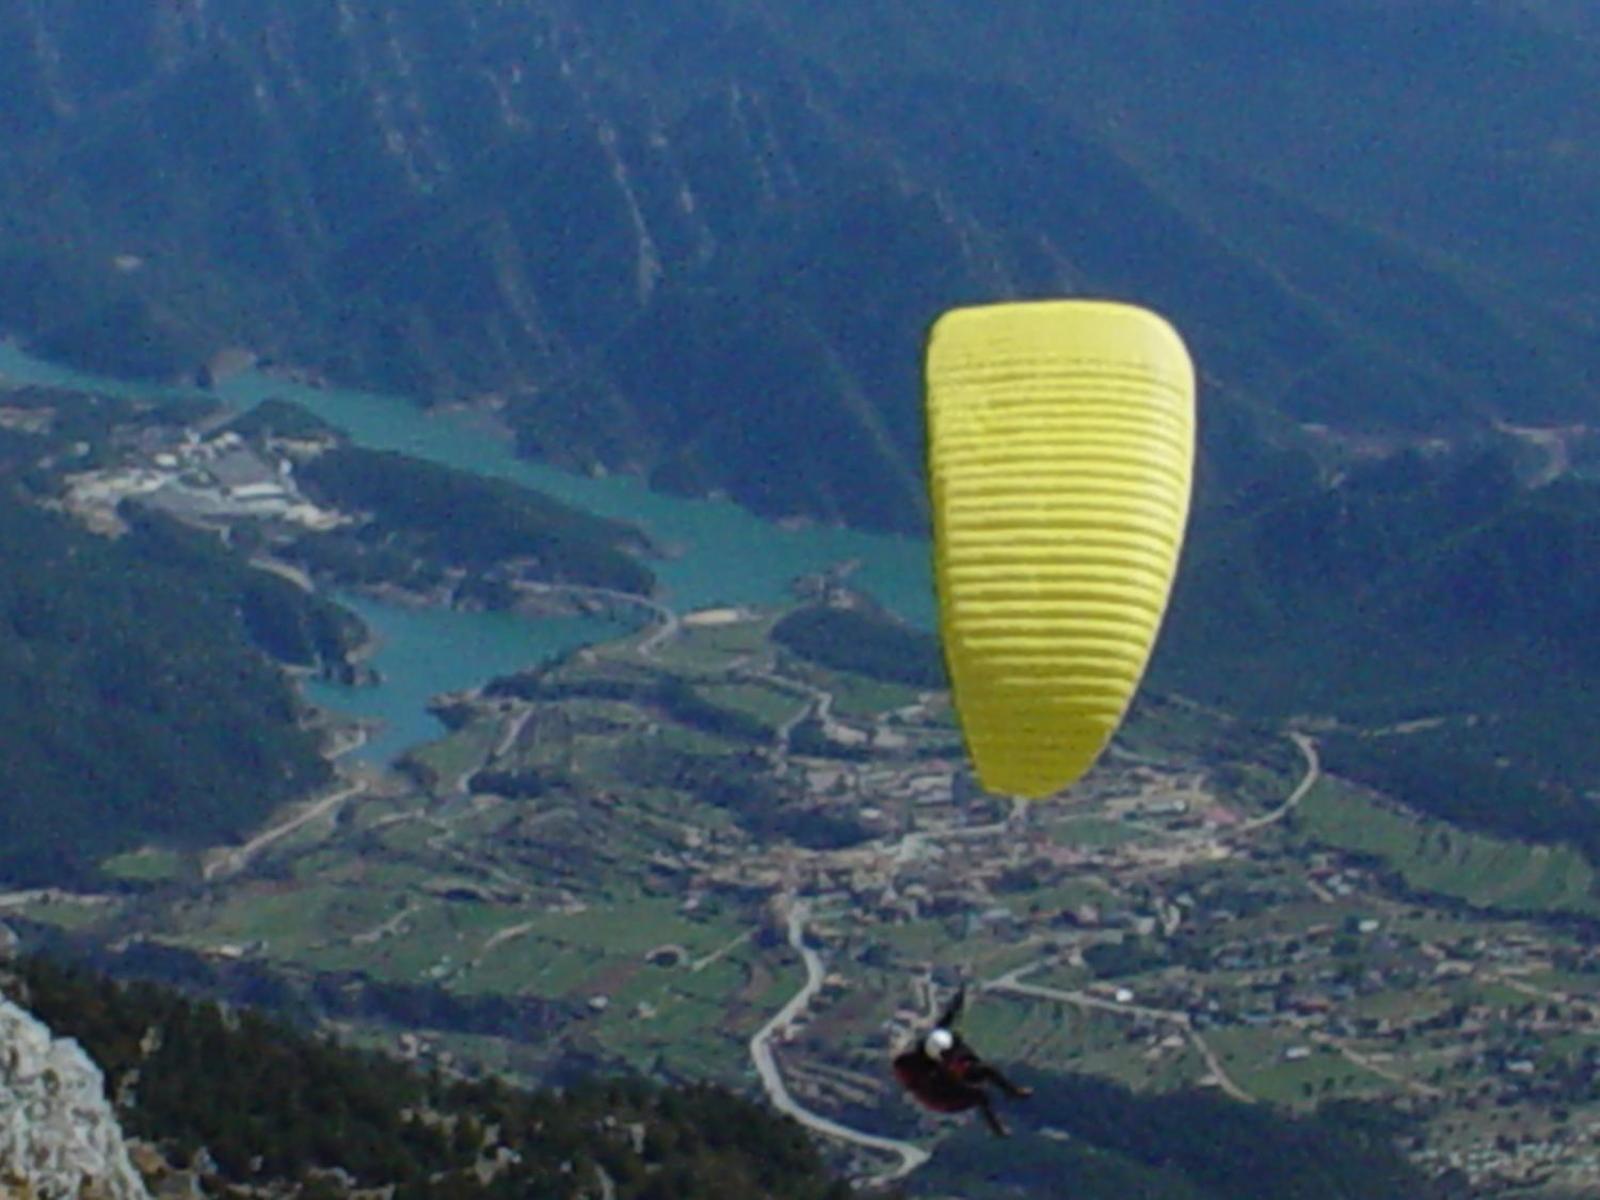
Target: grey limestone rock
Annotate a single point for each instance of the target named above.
(59, 1137)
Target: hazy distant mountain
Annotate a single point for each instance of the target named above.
(704, 244)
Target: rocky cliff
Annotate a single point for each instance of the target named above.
(59, 1139)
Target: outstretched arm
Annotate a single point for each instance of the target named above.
(952, 1014)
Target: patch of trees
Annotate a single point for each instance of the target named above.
(97, 324)
(809, 737)
(133, 705)
(675, 695)
(295, 627)
(853, 639)
(274, 1106)
(686, 705)
(742, 786)
(765, 808)
(276, 417)
(546, 683)
(525, 783)
(420, 1006)
(813, 829)
(1180, 1146)
(459, 519)
(367, 556)
(1130, 956)
(724, 780)
(1469, 789)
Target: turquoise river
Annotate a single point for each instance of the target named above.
(720, 553)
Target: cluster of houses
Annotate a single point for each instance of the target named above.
(204, 480)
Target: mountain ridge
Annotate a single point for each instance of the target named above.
(540, 201)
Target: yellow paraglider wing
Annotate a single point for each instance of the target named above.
(1060, 454)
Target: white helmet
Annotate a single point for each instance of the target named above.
(938, 1043)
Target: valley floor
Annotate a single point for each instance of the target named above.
(774, 883)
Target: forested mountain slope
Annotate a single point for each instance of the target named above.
(704, 243)
(134, 704)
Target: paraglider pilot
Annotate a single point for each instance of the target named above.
(946, 1075)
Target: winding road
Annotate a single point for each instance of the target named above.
(819, 705)
(667, 622)
(1368, 1063)
(911, 1156)
(220, 864)
(1011, 981)
(1307, 781)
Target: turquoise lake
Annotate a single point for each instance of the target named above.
(721, 554)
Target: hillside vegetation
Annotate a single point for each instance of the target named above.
(273, 1108)
(1182, 1146)
(853, 639)
(1432, 590)
(134, 704)
(290, 1108)
(426, 513)
(705, 248)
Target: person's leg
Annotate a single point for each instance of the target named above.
(981, 1073)
(992, 1118)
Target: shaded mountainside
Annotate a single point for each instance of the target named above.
(1088, 1137)
(1407, 581)
(136, 702)
(1459, 126)
(1433, 604)
(444, 516)
(705, 246)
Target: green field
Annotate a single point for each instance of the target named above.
(854, 696)
(1091, 833)
(291, 921)
(1258, 1061)
(766, 703)
(64, 914)
(149, 865)
(1486, 872)
(711, 647)
(453, 758)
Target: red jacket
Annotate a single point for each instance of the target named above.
(940, 1084)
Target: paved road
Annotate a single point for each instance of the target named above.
(1367, 1062)
(1011, 981)
(223, 863)
(667, 622)
(911, 1156)
(820, 706)
(512, 733)
(1307, 781)
(50, 895)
